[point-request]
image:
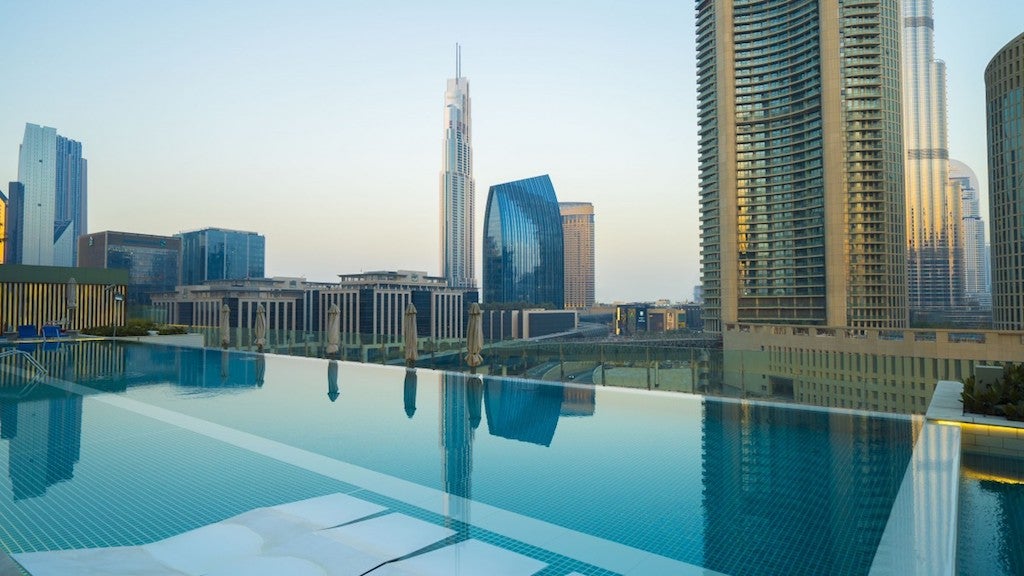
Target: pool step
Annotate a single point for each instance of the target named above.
(334, 534)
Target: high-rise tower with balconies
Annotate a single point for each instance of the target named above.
(801, 163)
(578, 241)
(458, 190)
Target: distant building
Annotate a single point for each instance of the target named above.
(52, 215)
(372, 305)
(152, 262)
(12, 230)
(975, 266)
(219, 254)
(458, 189)
(933, 220)
(630, 319)
(1004, 77)
(525, 324)
(3, 224)
(698, 294)
(578, 238)
(523, 252)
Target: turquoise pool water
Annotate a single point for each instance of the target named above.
(127, 444)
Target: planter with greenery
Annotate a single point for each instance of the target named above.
(1005, 397)
(136, 328)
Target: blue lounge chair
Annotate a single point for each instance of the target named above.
(51, 331)
(27, 331)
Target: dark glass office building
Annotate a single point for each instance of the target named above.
(152, 261)
(218, 254)
(523, 257)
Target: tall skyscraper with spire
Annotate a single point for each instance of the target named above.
(934, 249)
(801, 163)
(458, 190)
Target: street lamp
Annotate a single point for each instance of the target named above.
(118, 298)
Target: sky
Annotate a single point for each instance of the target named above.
(319, 124)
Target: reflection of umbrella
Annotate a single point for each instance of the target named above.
(410, 393)
(475, 398)
(474, 338)
(333, 329)
(225, 328)
(409, 333)
(332, 380)
(72, 293)
(261, 370)
(225, 361)
(261, 327)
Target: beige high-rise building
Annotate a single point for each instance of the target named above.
(934, 236)
(801, 163)
(1004, 94)
(578, 239)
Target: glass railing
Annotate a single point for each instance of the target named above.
(675, 361)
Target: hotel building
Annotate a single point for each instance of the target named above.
(578, 238)
(801, 163)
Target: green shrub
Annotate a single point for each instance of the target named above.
(136, 327)
(1004, 397)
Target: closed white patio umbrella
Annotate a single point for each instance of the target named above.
(409, 335)
(474, 337)
(333, 329)
(260, 329)
(225, 326)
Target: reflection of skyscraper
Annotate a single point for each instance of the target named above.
(458, 190)
(750, 466)
(523, 410)
(802, 203)
(457, 443)
(933, 207)
(44, 445)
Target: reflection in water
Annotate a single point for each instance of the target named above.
(457, 448)
(332, 380)
(409, 392)
(523, 410)
(44, 442)
(776, 483)
(261, 370)
(991, 521)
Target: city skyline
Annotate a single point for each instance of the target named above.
(322, 117)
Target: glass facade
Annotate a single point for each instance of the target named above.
(152, 262)
(218, 254)
(53, 175)
(1004, 95)
(523, 256)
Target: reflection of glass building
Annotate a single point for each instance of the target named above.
(152, 262)
(975, 263)
(218, 254)
(802, 194)
(1004, 76)
(44, 442)
(523, 245)
(933, 205)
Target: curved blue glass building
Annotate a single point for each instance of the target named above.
(523, 257)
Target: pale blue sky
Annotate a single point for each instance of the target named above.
(319, 124)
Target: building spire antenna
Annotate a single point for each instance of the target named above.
(458, 61)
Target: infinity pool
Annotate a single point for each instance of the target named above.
(126, 444)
